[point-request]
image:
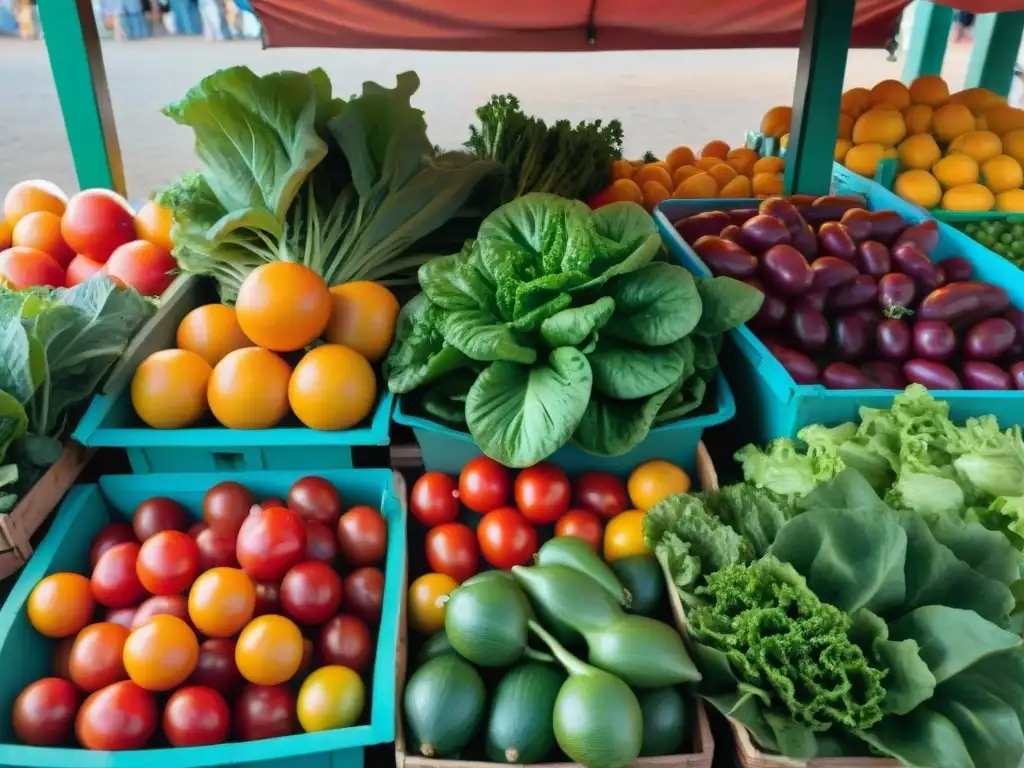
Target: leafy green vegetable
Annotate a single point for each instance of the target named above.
(567, 327)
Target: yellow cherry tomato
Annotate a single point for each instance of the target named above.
(428, 596)
(331, 697)
(655, 480)
(269, 650)
(624, 536)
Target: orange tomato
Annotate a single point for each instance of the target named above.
(41, 230)
(221, 601)
(622, 169)
(211, 331)
(624, 536)
(61, 604)
(625, 190)
(653, 481)
(161, 654)
(283, 306)
(679, 157)
(153, 223)
(715, 149)
(169, 389)
(143, 266)
(332, 388)
(30, 196)
(96, 658)
(428, 597)
(248, 389)
(363, 317)
(6, 231)
(269, 650)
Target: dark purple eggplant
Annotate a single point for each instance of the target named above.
(873, 258)
(910, 261)
(809, 329)
(831, 272)
(732, 234)
(797, 364)
(978, 374)
(693, 228)
(834, 240)
(990, 339)
(738, 216)
(964, 303)
(725, 257)
(931, 374)
(829, 208)
(1017, 374)
(844, 376)
(802, 237)
(784, 269)
(858, 223)
(923, 236)
(957, 269)
(892, 339)
(812, 299)
(852, 337)
(884, 374)
(886, 226)
(934, 340)
(896, 290)
(858, 292)
(763, 232)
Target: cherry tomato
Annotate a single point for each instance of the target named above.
(161, 654)
(484, 485)
(452, 549)
(311, 592)
(364, 593)
(168, 562)
(345, 640)
(95, 660)
(583, 524)
(216, 666)
(110, 536)
(44, 713)
(268, 598)
(169, 605)
(60, 662)
(270, 542)
(115, 582)
(122, 616)
(315, 499)
(542, 493)
(435, 499)
(273, 501)
(269, 650)
(120, 716)
(320, 543)
(196, 716)
(362, 536)
(221, 601)
(427, 602)
(307, 659)
(215, 550)
(196, 528)
(506, 538)
(159, 514)
(96, 222)
(226, 506)
(331, 697)
(601, 493)
(264, 712)
(61, 604)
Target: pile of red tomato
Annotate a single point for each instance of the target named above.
(239, 626)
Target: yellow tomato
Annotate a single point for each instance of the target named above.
(269, 650)
(61, 604)
(331, 697)
(624, 536)
(655, 480)
(427, 600)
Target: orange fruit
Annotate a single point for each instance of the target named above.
(653, 193)
(28, 197)
(742, 160)
(622, 169)
(153, 223)
(41, 230)
(169, 389)
(655, 173)
(929, 89)
(6, 230)
(269, 650)
(698, 186)
(709, 162)
(855, 101)
(61, 604)
(891, 94)
(161, 654)
(283, 306)
(679, 157)
(363, 316)
(845, 129)
(211, 331)
(621, 190)
(769, 164)
(722, 174)
(221, 601)
(624, 536)
(775, 122)
(332, 388)
(248, 389)
(684, 172)
(715, 149)
(737, 188)
(654, 481)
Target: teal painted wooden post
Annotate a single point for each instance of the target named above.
(929, 37)
(996, 43)
(819, 88)
(73, 45)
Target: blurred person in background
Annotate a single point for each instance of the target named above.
(133, 20)
(28, 20)
(964, 27)
(215, 25)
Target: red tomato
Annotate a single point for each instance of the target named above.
(320, 543)
(60, 662)
(264, 712)
(159, 514)
(542, 493)
(196, 716)
(362, 536)
(216, 666)
(44, 713)
(168, 563)
(315, 499)
(41, 230)
(268, 598)
(506, 538)
(120, 716)
(484, 485)
(122, 616)
(435, 499)
(143, 266)
(81, 269)
(215, 550)
(582, 524)
(226, 506)
(169, 605)
(306, 665)
(270, 542)
(115, 583)
(109, 536)
(345, 640)
(311, 592)
(601, 493)
(364, 593)
(452, 550)
(273, 501)
(96, 222)
(196, 528)
(22, 268)
(95, 660)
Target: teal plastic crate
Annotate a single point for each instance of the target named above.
(110, 422)
(771, 404)
(25, 655)
(448, 450)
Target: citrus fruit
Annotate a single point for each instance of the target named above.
(22, 268)
(269, 650)
(153, 223)
(977, 145)
(855, 101)
(283, 306)
(919, 187)
(954, 170)
(41, 230)
(427, 599)
(968, 197)
(1013, 145)
(918, 118)
(919, 151)
(248, 389)
(654, 480)
(776, 121)
(211, 331)
(331, 697)
(952, 120)
(363, 316)
(61, 604)
(1002, 119)
(332, 388)
(890, 93)
(161, 654)
(977, 100)
(842, 147)
(929, 89)
(624, 536)
(864, 158)
(169, 389)
(1011, 201)
(880, 126)
(27, 197)
(1001, 174)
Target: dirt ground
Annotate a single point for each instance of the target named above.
(662, 98)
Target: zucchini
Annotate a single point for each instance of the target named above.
(444, 702)
(486, 622)
(567, 600)
(576, 553)
(519, 728)
(642, 578)
(643, 652)
(488, 576)
(667, 724)
(436, 645)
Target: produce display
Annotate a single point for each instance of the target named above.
(1005, 237)
(852, 299)
(254, 623)
(47, 239)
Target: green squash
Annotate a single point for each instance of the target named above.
(645, 653)
(519, 727)
(436, 645)
(443, 703)
(486, 622)
(667, 724)
(642, 578)
(566, 600)
(578, 554)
